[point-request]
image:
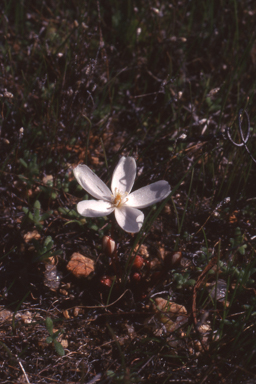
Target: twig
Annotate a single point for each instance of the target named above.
(95, 379)
(101, 306)
(244, 140)
(24, 372)
(198, 284)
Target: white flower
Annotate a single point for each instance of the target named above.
(120, 200)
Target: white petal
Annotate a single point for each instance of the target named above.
(92, 183)
(94, 208)
(149, 195)
(124, 175)
(129, 219)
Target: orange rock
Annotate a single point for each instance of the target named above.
(171, 315)
(170, 307)
(80, 266)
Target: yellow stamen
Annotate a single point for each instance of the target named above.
(119, 198)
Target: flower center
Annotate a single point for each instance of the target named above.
(119, 198)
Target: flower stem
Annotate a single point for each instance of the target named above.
(114, 256)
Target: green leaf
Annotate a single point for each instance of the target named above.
(68, 212)
(46, 215)
(74, 221)
(57, 252)
(49, 340)
(48, 243)
(110, 373)
(36, 216)
(59, 349)
(94, 227)
(49, 325)
(23, 162)
(37, 205)
(241, 249)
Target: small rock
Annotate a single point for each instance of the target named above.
(52, 277)
(66, 314)
(64, 343)
(169, 307)
(5, 315)
(80, 266)
(47, 179)
(171, 315)
(218, 290)
(31, 235)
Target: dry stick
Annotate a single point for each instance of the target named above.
(24, 372)
(101, 306)
(225, 201)
(198, 284)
